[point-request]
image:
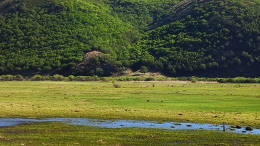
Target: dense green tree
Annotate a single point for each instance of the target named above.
(143, 69)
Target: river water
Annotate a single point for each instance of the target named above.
(9, 122)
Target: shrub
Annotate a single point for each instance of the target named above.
(18, 78)
(37, 78)
(58, 78)
(193, 80)
(149, 79)
(71, 78)
(137, 79)
(116, 85)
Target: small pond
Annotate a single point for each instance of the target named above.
(8, 122)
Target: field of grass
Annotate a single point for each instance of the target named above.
(61, 134)
(159, 101)
(234, 104)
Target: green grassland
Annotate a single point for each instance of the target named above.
(61, 134)
(235, 104)
(159, 101)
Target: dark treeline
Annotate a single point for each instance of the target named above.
(207, 38)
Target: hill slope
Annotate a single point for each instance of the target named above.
(207, 38)
(54, 35)
(179, 38)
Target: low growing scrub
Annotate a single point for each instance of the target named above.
(192, 79)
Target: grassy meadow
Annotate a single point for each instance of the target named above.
(234, 104)
(61, 134)
(159, 101)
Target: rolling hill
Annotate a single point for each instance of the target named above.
(208, 38)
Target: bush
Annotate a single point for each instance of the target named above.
(71, 78)
(137, 79)
(57, 78)
(18, 78)
(149, 79)
(193, 80)
(116, 85)
(37, 78)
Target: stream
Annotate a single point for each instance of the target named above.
(9, 122)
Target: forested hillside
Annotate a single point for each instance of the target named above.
(45, 36)
(208, 38)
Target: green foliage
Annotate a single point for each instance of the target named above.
(179, 38)
(217, 39)
(192, 79)
(143, 69)
(141, 13)
(99, 71)
(55, 36)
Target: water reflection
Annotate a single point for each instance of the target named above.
(8, 122)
